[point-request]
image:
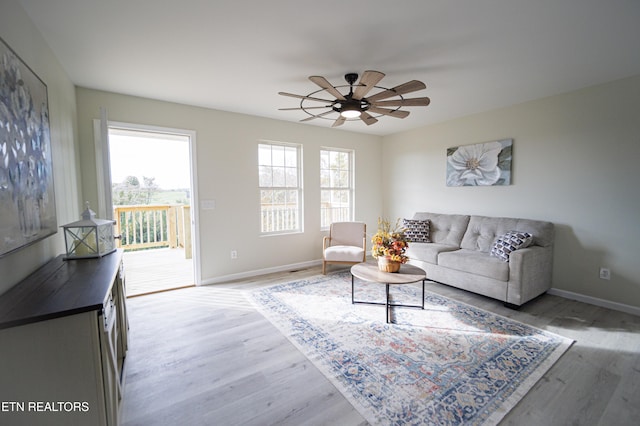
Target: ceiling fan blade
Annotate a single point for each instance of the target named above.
(408, 87)
(322, 82)
(300, 108)
(310, 98)
(392, 112)
(404, 102)
(339, 121)
(368, 80)
(368, 119)
(316, 116)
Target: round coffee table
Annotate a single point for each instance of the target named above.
(369, 272)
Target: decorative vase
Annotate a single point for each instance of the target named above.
(385, 264)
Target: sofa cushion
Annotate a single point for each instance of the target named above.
(427, 252)
(417, 231)
(482, 231)
(511, 241)
(447, 229)
(475, 262)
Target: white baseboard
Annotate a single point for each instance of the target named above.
(595, 301)
(255, 273)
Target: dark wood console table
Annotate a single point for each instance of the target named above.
(63, 341)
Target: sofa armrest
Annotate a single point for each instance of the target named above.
(530, 271)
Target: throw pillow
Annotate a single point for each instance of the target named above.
(505, 244)
(417, 231)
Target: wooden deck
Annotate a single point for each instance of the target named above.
(150, 271)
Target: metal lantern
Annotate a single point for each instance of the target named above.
(89, 237)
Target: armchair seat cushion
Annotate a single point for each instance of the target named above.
(343, 254)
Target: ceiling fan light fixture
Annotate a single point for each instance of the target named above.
(350, 111)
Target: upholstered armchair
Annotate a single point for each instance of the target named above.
(345, 244)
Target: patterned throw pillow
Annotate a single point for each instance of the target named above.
(417, 231)
(509, 242)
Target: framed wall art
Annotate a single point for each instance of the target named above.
(27, 201)
(481, 164)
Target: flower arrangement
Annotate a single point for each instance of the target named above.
(390, 242)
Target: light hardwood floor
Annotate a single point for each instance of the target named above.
(204, 356)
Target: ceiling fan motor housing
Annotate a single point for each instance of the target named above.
(350, 104)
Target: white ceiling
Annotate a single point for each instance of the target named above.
(236, 55)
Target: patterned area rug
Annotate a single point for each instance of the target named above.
(450, 364)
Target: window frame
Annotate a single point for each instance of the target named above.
(350, 188)
(297, 188)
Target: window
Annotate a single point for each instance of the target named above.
(280, 181)
(336, 186)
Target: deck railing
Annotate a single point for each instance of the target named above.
(332, 212)
(278, 217)
(153, 226)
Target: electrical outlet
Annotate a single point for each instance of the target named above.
(605, 274)
(234, 254)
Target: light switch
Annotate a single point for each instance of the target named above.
(208, 204)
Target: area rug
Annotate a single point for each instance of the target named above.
(449, 364)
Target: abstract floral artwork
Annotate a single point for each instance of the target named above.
(27, 202)
(482, 164)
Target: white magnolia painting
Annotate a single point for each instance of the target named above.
(482, 164)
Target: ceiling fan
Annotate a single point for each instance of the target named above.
(355, 105)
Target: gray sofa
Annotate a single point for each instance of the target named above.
(459, 255)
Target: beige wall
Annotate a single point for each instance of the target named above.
(575, 163)
(19, 33)
(226, 146)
